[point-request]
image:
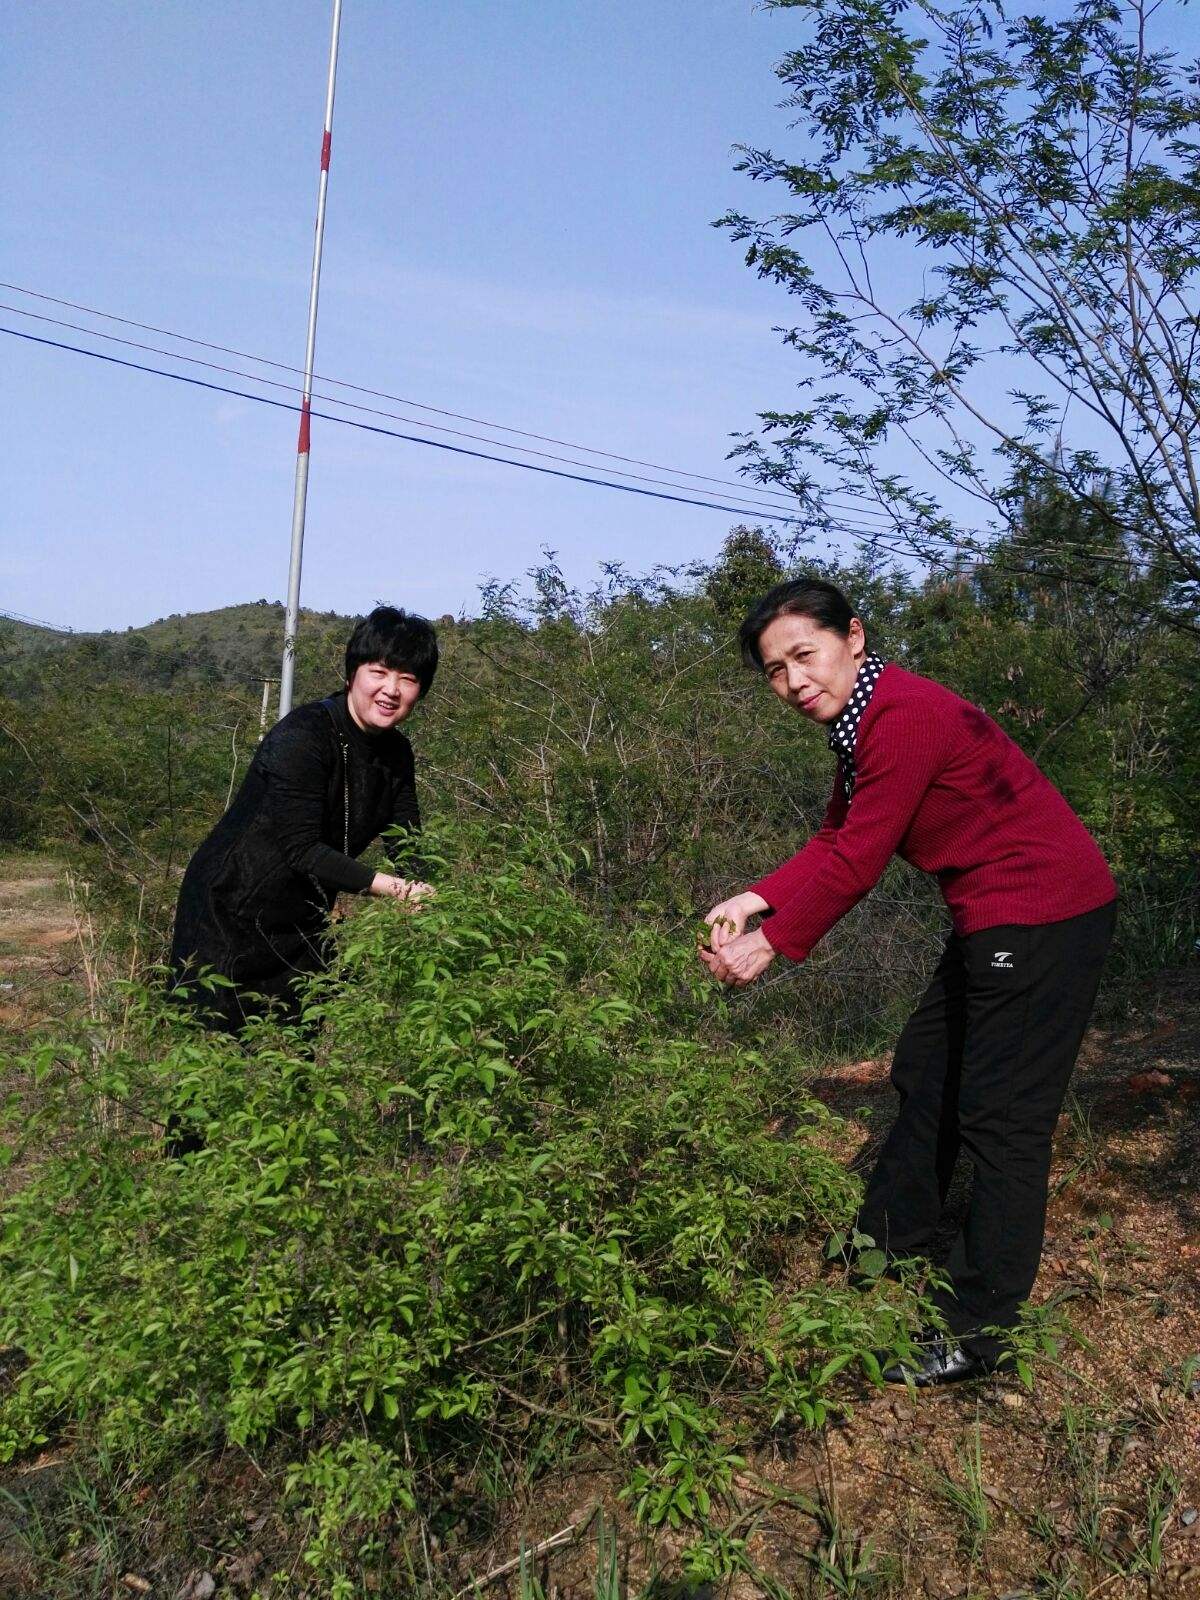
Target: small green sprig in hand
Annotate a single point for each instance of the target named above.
(704, 931)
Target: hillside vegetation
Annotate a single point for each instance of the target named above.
(624, 722)
(522, 1197)
(231, 646)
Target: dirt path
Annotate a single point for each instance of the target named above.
(39, 946)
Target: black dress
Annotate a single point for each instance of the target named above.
(256, 896)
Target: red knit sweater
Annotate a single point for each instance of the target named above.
(938, 783)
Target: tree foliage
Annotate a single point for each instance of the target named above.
(624, 722)
(992, 237)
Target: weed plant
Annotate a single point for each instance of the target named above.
(965, 1495)
(844, 1563)
(506, 1172)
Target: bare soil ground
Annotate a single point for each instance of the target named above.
(38, 945)
(42, 974)
(1067, 1472)
(1088, 1486)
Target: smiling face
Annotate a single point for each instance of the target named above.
(811, 667)
(379, 696)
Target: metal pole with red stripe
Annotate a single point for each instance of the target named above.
(300, 499)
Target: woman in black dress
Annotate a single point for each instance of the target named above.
(327, 779)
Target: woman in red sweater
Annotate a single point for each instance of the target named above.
(984, 1060)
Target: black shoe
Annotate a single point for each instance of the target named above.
(938, 1362)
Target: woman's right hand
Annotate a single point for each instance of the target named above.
(728, 920)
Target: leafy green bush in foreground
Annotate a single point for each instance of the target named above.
(506, 1172)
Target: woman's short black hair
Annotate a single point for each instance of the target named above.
(398, 638)
(823, 602)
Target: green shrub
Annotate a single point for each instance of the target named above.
(508, 1170)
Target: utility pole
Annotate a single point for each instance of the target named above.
(300, 497)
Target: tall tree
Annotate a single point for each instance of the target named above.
(1005, 278)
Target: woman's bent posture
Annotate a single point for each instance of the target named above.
(984, 1060)
(327, 779)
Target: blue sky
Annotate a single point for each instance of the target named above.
(518, 228)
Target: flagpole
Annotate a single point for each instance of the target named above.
(300, 495)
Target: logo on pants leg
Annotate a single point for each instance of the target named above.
(1003, 958)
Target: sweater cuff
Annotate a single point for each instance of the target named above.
(344, 874)
(778, 888)
(763, 888)
(774, 930)
(363, 877)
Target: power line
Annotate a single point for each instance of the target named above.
(382, 394)
(840, 525)
(1102, 553)
(36, 622)
(390, 433)
(998, 562)
(353, 405)
(843, 525)
(847, 529)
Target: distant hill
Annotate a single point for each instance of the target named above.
(230, 648)
(226, 646)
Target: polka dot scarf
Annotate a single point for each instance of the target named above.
(843, 733)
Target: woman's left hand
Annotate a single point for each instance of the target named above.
(741, 960)
(385, 883)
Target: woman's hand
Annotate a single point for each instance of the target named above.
(740, 959)
(384, 883)
(728, 920)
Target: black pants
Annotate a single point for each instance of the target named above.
(982, 1065)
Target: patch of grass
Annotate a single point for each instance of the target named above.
(1086, 1145)
(1109, 1256)
(1062, 1581)
(1185, 1377)
(1085, 1443)
(19, 865)
(75, 1529)
(606, 1584)
(965, 1496)
(1160, 1496)
(845, 1562)
(1104, 1535)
